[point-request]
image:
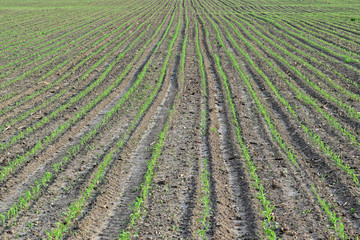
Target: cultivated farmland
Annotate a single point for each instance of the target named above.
(179, 119)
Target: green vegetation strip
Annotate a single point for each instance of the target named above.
(32, 21)
(76, 207)
(43, 182)
(342, 29)
(205, 177)
(303, 97)
(338, 225)
(53, 41)
(23, 42)
(296, 36)
(322, 31)
(43, 54)
(31, 27)
(342, 36)
(352, 112)
(52, 49)
(300, 34)
(28, 25)
(339, 229)
(37, 93)
(315, 138)
(12, 121)
(268, 206)
(76, 67)
(327, 64)
(351, 56)
(20, 159)
(16, 119)
(138, 206)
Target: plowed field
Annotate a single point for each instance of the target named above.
(180, 119)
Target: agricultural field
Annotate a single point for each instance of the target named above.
(179, 119)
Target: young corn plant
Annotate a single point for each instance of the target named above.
(138, 206)
(206, 199)
(338, 225)
(268, 224)
(4, 173)
(317, 140)
(76, 207)
(32, 194)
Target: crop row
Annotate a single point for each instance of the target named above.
(138, 207)
(44, 46)
(49, 27)
(326, 149)
(205, 175)
(63, 127)
(77, 206)
(298, 32)
(327, 65)
(54, 49)
(42, 183)
(268, 207)
(276, 136)
(297, 36)
(53, 26)
(75, 68)
(307, 99)
(328, 96)
(78, 65)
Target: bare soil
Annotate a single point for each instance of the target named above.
(174, 207)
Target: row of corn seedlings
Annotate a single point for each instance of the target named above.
(268, 207)
(266, 117)
(45, 141)
(41, 183)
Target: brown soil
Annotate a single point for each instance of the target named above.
(174, 207)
